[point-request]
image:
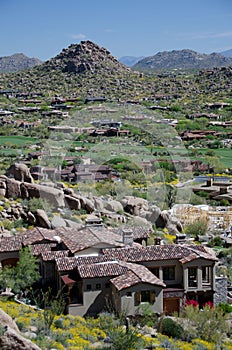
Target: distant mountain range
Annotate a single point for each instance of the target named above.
(17, 62)
(166, 60)
(182, 59)
(227, 53)
(130, 61)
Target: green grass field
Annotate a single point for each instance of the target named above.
(16, 140)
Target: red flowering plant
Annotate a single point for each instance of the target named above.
(192, 302)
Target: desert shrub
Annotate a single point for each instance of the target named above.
(170, 328)
(225, 307)
(196, 228)
(122, 340)
(8, 225)
(215, 242)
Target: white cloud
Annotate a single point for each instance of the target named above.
(206, 35)
(213, 35)
(108, 30)
(78, 36)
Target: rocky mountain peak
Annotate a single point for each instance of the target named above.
(86, 56)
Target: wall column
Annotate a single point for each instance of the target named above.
(199, 278)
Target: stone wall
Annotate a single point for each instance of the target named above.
(220, 295)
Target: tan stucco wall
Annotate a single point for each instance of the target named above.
(126, 305)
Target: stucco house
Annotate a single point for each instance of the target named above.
(100, 269)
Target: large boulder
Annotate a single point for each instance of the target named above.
(153, 214)
(114, 206)
(11, 338)
(86, 203)
(72, 202)
(6, 321)
(13, 189)
(58, 221)
(164, 219)
(42, 219)
(134, 205)
(98, 203)
(53, 195)
(20, 172)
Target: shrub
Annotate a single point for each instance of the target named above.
(225, 307)
(170, 328)
(8, 225)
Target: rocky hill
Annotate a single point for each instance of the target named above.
(17, 62)
(182, 59)
(85, 69)
(84, 57)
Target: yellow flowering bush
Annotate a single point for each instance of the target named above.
(76, 333)
(169, 238)
(203, 343)
(77, 343)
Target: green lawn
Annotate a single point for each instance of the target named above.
(16, 140)
(224, 155)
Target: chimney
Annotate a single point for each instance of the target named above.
(157, 240)
(127, 236)
(223, 190)
(209, 182)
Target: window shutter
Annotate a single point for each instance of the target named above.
(153, 296)
(137, 298)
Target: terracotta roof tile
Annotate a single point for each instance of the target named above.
(9, 244)
(127, 280)
(77, 240)
(52, 255)
(135, 274)
(69, 263)
(39, 248)
(143, 273)
(101, 270)
(157, 252)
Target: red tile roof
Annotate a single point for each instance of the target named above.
(69, 263)
(127, 280)
(39, 248)
(52, 255)
(101, 270)
(136, 274)
(157, 252)
(10, 244)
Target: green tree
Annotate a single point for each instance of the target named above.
(23, 275)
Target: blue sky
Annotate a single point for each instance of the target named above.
(42, 28)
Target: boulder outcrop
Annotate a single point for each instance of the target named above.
(11, 339)
(20, 172)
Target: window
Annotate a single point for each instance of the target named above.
(98, 286)
(155, 271)
(192, 277)
(129, 294)
(169, 273)
(145, 296)
(88, 287)
(206, 272)
(107, 285)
